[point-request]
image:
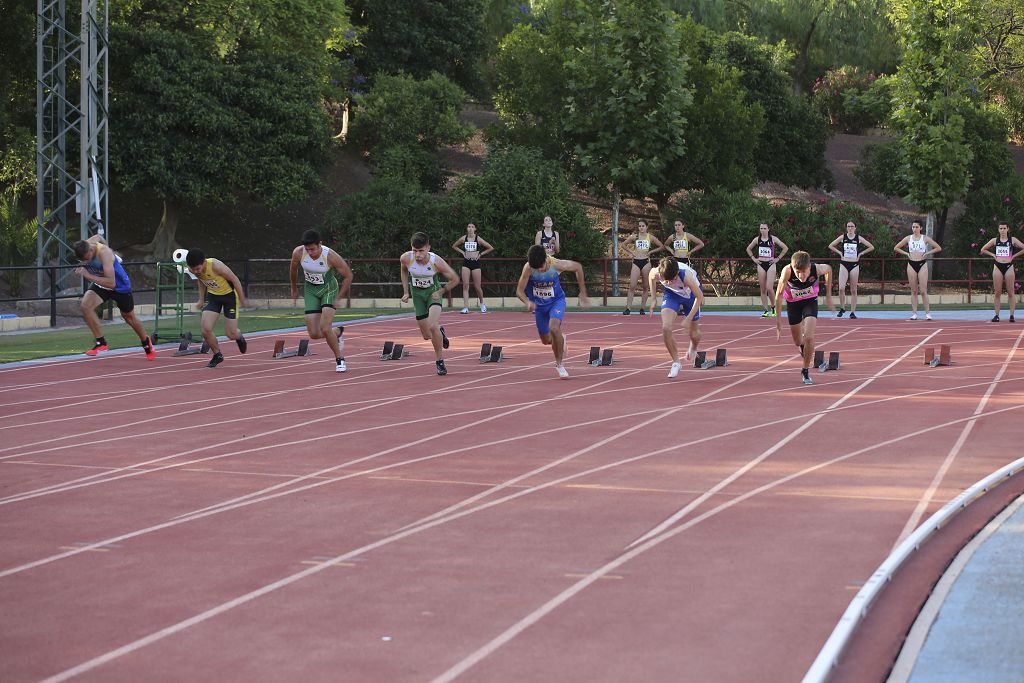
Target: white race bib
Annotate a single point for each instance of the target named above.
(919, 246)
(804, 293)
(681, 245)
(849, 250)
(764, 252)
(544, 290)
(643, 245)
(1003, 250)
(470, 246)
(422, 282)
(314, 278)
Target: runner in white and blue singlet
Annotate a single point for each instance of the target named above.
(682, 295)
(546, 299)
(799, 284)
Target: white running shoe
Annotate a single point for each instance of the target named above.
(341, 367)
(483, 308)
(913, 317)
(562, 372)
(464, 311)
(674, 370)
(927, 316)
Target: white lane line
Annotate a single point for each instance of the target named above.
(922, 505)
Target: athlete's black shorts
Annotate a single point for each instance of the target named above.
(799, 310)
(849, 265)
(1003, 267)
(766, 265)
(216, 303)
(917, 265)
(641, 263)
(471, 263)
(124, 300)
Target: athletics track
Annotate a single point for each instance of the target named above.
(273, 520)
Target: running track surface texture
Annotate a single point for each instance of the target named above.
(274, 520)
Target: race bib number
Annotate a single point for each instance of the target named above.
(544, 290)
(1003, 250)
(314, 278)
(802, 293)
(764, 252)
(470, 246)
(210, 284)
(422, 282)
(916, 246)
(680, 245)
(643, 245)
(849, 250)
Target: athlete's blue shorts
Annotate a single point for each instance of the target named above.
(679, 304)
(544, 313)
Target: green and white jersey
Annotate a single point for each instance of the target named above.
(318, 271)
(423, 276)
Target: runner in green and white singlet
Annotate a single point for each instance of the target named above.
(321, 267)
(421, 271)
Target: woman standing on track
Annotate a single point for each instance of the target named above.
(681, 243)
(849, 262)
(548, 238)
(799, 284)
(321, 267)
(641, 267)
(1006, 249)
(471, 256)
(918, 248)
(766, 259)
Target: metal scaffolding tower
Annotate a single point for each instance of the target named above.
(66, 185)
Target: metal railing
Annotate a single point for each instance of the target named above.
(378, 278)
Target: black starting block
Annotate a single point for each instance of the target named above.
(825, 365)
(393, 351)
(490, 354)
(281, 352)
(944, 357)
(721, 359)
(598, 357)
(183, 346)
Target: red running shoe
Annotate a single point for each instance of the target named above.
(147, 346)
(96, 349)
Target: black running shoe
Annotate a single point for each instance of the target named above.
(853, 316)
(840, 313)
(806, 376)
(444, 343)
(441, 369)
(242, 344)
(217, 359)
(995, 318)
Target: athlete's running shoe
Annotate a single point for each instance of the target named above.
(840, 313)
(643, 311)
(1011, 318)
(913, 317)
(100, 346)
(674, 370)
(995, 318)
(242, 344)
(441, 369)
(340, 365)
(806, 376)
(217, 359)
(147, 346)
(853, 316)
(444, 339)
(625, 312)
(766, 314)
(927, 316)
(464, 311)
(562, 372)
(483, 308)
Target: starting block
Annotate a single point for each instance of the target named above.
(598, 357)
(393, 351)
(490, 354)
(721, 359)
(183, 347)
(944, 357)
(825, 365)
(281, 352)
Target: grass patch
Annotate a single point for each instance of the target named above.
(64, 342)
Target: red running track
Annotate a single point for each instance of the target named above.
(272, 519)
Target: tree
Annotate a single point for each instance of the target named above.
(931, 92)
(419, 37)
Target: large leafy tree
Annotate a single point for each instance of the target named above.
(419, 37)
(205, 107)
(17, 95)
(931, 94)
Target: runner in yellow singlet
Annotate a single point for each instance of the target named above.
(219, 290)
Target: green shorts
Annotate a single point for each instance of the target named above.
(318, 297)
(422, 300)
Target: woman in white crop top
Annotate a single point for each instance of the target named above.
(917, 247)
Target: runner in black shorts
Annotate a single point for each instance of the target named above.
(770, 249)
(470, 245)
(219, 292)
(849, 265)
(799, 285)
